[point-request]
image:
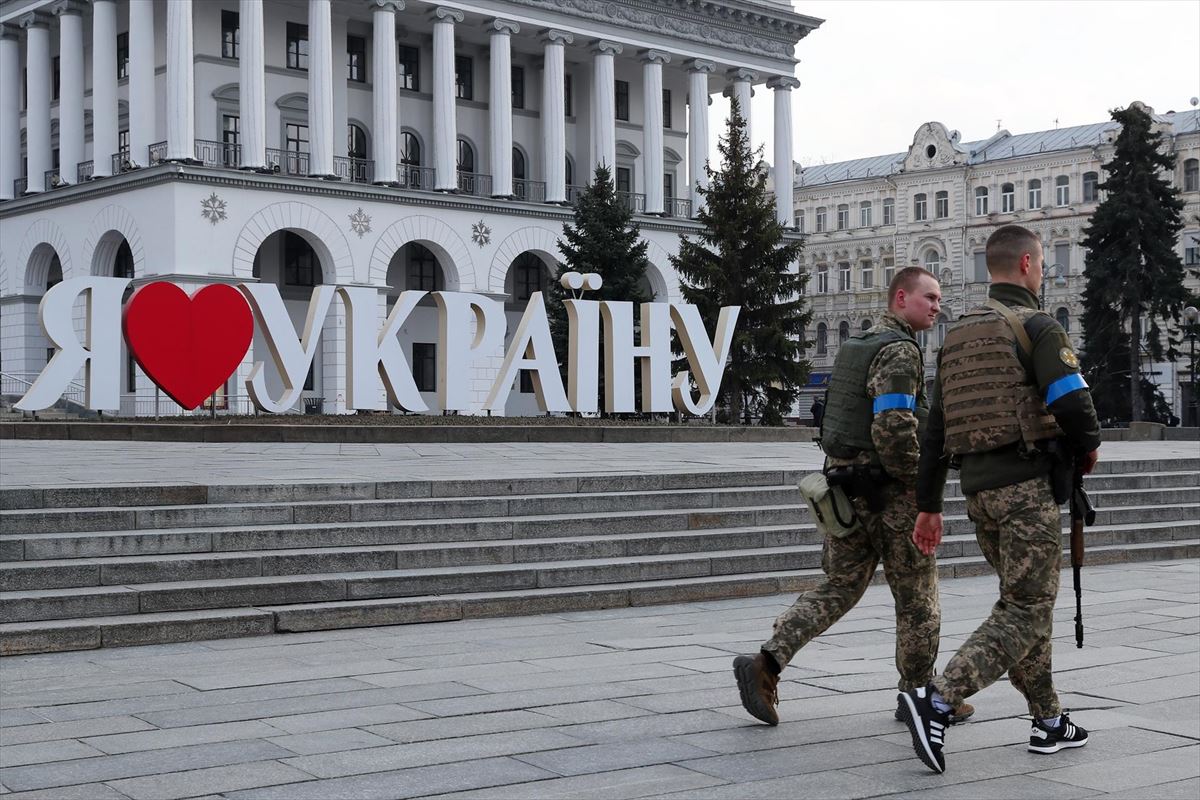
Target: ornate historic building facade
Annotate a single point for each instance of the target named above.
(400, 144)
(935, 204)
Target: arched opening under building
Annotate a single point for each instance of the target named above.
(530, 272)
(421, 266)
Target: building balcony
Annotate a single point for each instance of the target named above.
(533, 191)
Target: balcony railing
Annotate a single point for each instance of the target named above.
(288, 162)
(19, 186)
(156, 153)
(410, 176)
(677, 207)
(218, 154)
(53, 181)
(633, 201)
(573, 193)
(122, 162)
(475, 183)
(358, 170)
(83, 172)
(533, 191)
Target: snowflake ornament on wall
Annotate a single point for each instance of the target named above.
(360, 222)
(212, 208)
(481, 234)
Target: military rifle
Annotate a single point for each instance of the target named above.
(1082, 514)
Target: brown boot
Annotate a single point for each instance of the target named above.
(758, 685)
(961, 714)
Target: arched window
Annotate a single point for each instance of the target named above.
(822, 278)
(356, 142)
(981, 201)
(518, 165)
(1062, 191)
(410, 149)
(933, 261)
(123, 265)
(942, 324)
(866, 324)
(1191, 175)
(1008, 198)
(941, 202)
(570, 172)
(920, 207)
(822, 339)
(528, 276)
(843, 332)
(421, 270)
(54, 274)
(1035, 194)
(843, 216)
(1063, 316)
(1091, 186)
(466, 156)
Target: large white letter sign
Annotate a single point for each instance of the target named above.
(457, 347)
(533, 349)
(372, 354)
(292, 358)
(99, 354)
(583, 355)
(620, 355)
(707, 360)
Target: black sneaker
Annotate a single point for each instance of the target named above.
(927, 726)
(1043, 739)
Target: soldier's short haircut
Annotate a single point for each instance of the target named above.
(907, 279)
(1006, 246)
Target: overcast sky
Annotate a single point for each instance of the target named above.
(875, 71)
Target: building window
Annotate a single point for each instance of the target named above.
(410, 149)
(356, 59)
(843, 216)
(123, 143)
(569, 172)
(668, 187)
(941, 202)
(821, 219)
(866, 324)
(1091, 187)
(356, 142)
(1191, 175)
(889, 271)
(231, 130)
(299, 267)
(1008, 198)
(889, 211)
(981, 272)
(981, 201)
(933, 262)
(230, 34)
(822, 278)
(1062, 191)
(295, 138)
(424, 366)
(464, 78)
(624, 180)
(1062, 257)
(799, 220)
(920, 210)
(1035, 194)
(466, 156)
(822, 339)
(1063, 317)
(297, 46)
(422, 272)
(527, 277)
(940, 330)
(123, 264)
(666, 108)
(518, 87)
(57, 78)
(409, 60)
(843, 332)
(622, 97)
(1191, 256)
(867, 273)
(844, 276)
(864, 214)
(567, 97)
(122, 55)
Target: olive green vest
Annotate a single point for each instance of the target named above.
(846, 426)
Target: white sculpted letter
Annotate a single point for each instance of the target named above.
(620, 354)
(531, 348)
(99, 354)
(292, 358)
(372, 354)
(458, 345)
(707, 360)
(583, 355)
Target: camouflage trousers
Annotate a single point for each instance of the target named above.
(849, 565)
(1020, 534)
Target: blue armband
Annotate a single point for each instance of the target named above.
(888, 401)
(1063, 386)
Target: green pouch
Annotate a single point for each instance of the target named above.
(831, 508)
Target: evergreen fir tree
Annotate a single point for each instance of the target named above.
(741, 260)
(603, 239)
(1134, 276)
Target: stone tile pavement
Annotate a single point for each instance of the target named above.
(627, 703)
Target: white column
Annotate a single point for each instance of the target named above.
(500, 105)
(652, 127)
(70, 94)
(740, 83)
(104, 86)
(604, 108)
(10, 111)
(252, 93)
(181, 113)
(37, 96)
(445, 121)
(383, 93)
(784, 191)
(554, 115)
(320, 89)
(698, 72)
(142, 102)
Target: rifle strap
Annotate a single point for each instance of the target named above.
(1018, 328)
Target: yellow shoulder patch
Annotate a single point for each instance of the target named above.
(1068, 357)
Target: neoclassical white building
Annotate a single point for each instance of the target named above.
(399, 144)
(935, 204)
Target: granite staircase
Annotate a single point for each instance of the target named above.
(95, 567)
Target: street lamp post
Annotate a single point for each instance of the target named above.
(1191, 314)
(1059, 275)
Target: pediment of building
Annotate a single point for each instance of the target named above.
(934, 147)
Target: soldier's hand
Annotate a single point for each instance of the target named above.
(1087, 462)
(927, 533)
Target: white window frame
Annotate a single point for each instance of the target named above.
(822, 279)
(982, 195)
(941, 202)
(1062, 191)
(1035, 194)
(866, 274)
(845, 277)
(864, 214)
(822, 218)
(1008, 198)
(920, 207)
(843, 216)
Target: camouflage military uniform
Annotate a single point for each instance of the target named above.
(1016, 522)
(850, 562)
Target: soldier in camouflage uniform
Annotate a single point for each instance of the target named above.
(876, 399)
(1008, 397)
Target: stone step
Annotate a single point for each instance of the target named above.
(179, 626)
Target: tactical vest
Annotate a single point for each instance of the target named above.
(846, 426)
(988, 397)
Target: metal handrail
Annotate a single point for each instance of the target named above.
(475, 183)
(288, 162)
(533, 191)
(122, 162)
(574, 193)
(677, 207)
(633, 201)
(84, 171)
(358, 170)
(217, 154)
(156, 153)
(53, 179)
(19, 186)
(412, 176)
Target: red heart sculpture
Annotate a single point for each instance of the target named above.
(188, 345)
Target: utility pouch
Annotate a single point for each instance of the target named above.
(830, 506)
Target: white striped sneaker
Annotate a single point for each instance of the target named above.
(1044, 739)
(926, 724)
